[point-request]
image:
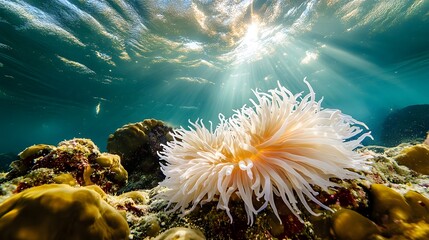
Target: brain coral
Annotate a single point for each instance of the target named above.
(281, 146)
(58, 211)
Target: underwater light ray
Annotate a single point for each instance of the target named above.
(124, 43)
(351, 60)
(172, 106)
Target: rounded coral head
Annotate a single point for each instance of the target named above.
(59, 211)
(282, 145)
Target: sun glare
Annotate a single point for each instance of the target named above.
(250, 46)
(252, 33)
(250, 42)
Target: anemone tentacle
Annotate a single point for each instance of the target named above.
(282, 145)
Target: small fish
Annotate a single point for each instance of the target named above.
(97, 108)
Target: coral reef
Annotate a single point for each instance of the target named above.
(389, 203)
(76, 161)
(58, 211)
(137, 144)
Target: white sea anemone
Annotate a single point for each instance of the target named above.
(281, 146)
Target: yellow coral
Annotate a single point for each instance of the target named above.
(181, 233)
(398, 216)
(65, 178)
(113, 162)
(415, 158)
(350, 225)
(389, 205)
(414, 231)
(419, 204)
(34, 150)
(136, 196)
(58, 211)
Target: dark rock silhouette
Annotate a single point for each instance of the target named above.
(406, 124)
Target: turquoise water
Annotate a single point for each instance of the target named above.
(75, 68)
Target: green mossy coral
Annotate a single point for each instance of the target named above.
(416, 158)
(58, 211)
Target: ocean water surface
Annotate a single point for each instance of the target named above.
(83, 68)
